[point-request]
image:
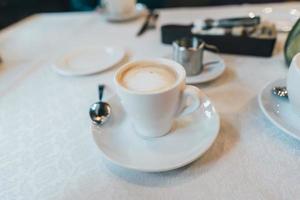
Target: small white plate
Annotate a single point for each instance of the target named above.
(190, 137)
(140, 9)
(88, 60)
(210, 71)
(278, 110)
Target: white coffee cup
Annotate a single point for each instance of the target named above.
(293, 83)
(120, 7)
(153, 113)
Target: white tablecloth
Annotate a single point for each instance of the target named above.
(46, 147)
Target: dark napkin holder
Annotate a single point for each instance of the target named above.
(230, 44)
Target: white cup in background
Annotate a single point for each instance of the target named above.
(153, 113)
(293, 83)
(120, 7)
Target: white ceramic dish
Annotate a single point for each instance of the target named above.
(278, 110)
(211, 71)
(88, 60)
(190, 137)
(140, 9)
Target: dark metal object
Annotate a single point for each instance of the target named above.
(150, 23)
(231, 22)
(226, 43)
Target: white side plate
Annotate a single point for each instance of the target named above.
(88, 60)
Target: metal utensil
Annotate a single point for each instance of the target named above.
(150, 23)
(231, 22)
(280, 91)
(189, 53)
(210, 63)
(100, 111)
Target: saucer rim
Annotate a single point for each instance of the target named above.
(222, 70)
(266, 113)
(187, 161)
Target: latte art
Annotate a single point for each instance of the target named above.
(148, 78)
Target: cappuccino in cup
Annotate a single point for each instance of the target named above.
(148, 78)
(153, 94)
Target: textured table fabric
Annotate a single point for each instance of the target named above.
(46, 147)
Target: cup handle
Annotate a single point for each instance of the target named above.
(189, 92)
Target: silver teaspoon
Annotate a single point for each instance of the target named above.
(100, 111)
(280, 91)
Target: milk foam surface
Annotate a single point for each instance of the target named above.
(148, 78)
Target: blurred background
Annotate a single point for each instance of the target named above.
(14, 10)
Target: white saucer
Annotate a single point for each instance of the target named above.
(88, 60)
(190, 137)
(140, 9)
(278, 110)
(211, 71)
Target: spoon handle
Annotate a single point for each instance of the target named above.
(100, 89)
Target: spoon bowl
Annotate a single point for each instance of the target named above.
(100, 112)
(280, 91)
